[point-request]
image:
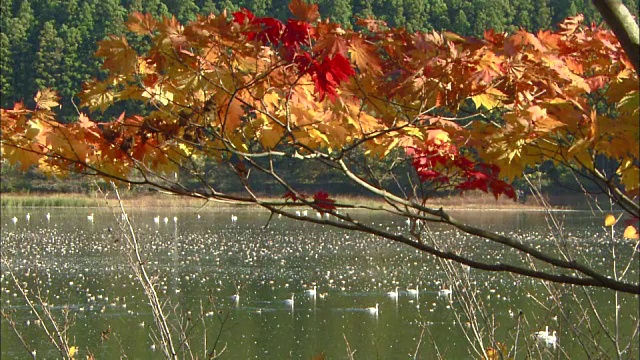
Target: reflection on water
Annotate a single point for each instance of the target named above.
(288, 290)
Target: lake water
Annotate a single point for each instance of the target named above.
(200, 263)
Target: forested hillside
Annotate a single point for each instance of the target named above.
(51, 43)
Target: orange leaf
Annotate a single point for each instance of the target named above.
(141, 24)
(609, 220)
(631, 233)
(301, 10)
(364, 55)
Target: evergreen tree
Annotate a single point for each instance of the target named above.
(438, 15)
(337, 10)
(363, 9)
(184, 10)
(19, 31)
(543, 15)
(6, 71)
(417, 15)
(523, 11)
(109, 18)
(49, 63)
(461, 24)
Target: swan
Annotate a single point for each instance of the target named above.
(289, 302)
(90, 217)
(14, 219)
(28, 217)
(415, 291)
(311, 292)
(48, 216)
(393, 294)
(549, 339)
(234, 218)
(156, 219)
(373, 310)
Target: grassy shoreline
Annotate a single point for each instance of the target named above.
(156, 200)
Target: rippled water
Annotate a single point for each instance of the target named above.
(200, 263)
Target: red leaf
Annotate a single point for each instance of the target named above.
(242, 16)
(328, 74)
(296, 33)
(321, 200)
(290, 195)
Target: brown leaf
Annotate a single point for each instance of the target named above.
(301, 10)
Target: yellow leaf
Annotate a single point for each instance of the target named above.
(631, 233)
(46, 99)
(34, 128)
(489, 99)
(609, 220)
(73, 351)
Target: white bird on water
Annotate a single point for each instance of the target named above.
(444, 292)
(393, 294)
(48, 216)
(311, 292)
(234, 218)
(415, 291)
(90, 217)
(546, 338)
(156, 219)
(289, 302)
(28, 217)
(373, 310)
(15, 220)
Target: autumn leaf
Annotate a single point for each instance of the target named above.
(301, 10)
(46, 99)
(364, 56)
(289, 195)
(141, 24)
(322, 200)
(73, 350)
(490, 98)
(118, 56)
(630, 232)
(609, 220)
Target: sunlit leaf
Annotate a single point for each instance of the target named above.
(630, 232)
(609, 220)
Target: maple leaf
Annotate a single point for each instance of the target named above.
(364, 55)
(243, 16)
(331, 41)
(141, 24)
(118, 56)
(301, 10)
(490, 99)
(46, 99)
(290, 195)
(328, 75)
(296, 33)
(322, 200)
